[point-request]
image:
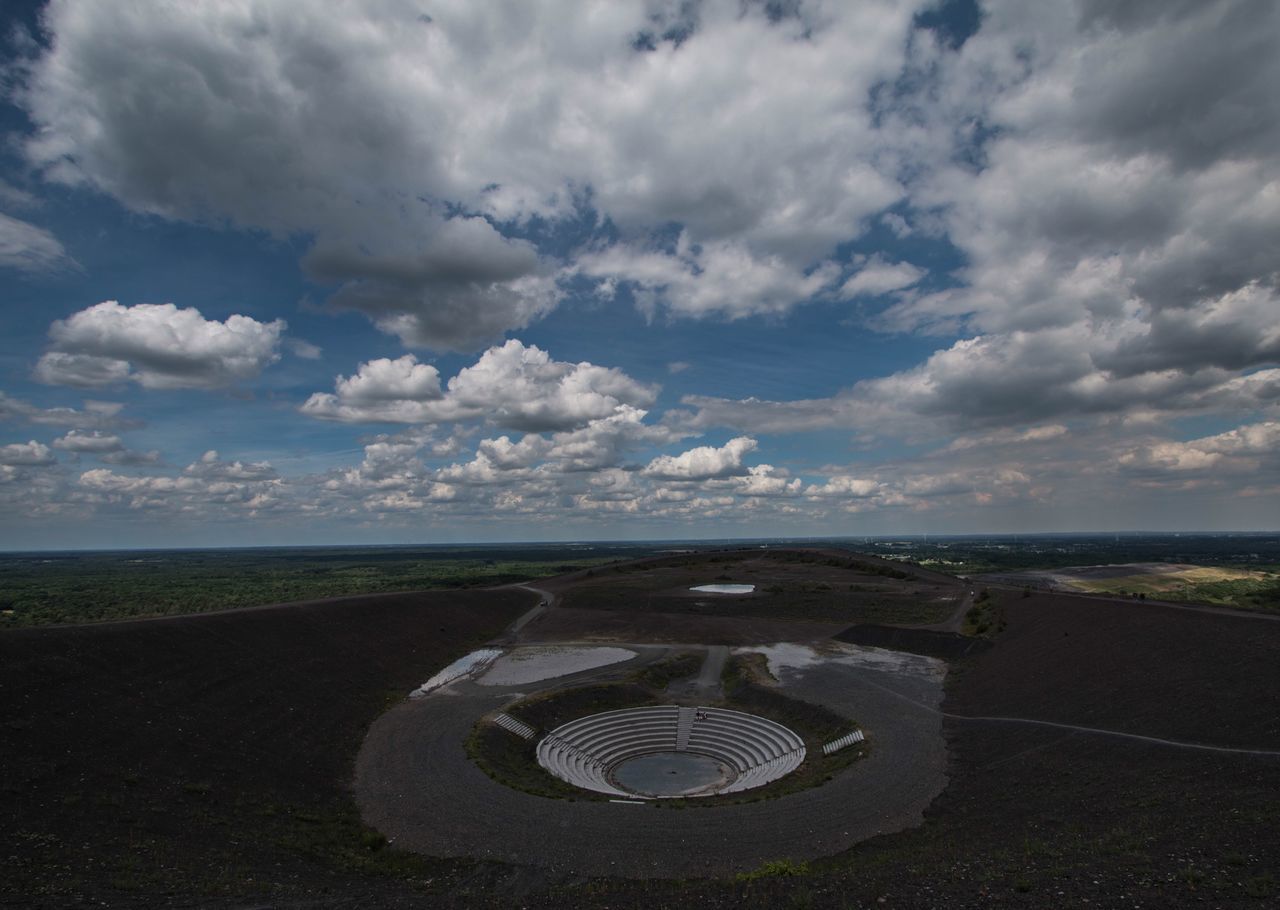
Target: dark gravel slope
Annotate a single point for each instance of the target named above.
(206, 753)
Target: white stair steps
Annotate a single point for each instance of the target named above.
(684, 726)
(518, 727)
(847, 740)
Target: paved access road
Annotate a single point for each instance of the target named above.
(415, 784)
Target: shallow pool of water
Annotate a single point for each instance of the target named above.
(724, 589)
(461, 667)
(672, 774)
(785, 657)
(525, 665)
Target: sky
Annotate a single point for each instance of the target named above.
(284, 272)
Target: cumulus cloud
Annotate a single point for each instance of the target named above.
(766, 480)
(158, 346)
(28, 248)
(597, 449)
(880, 276)
(382, 390)
(1121, 218)
(1236, 331)
(507, 455)
(95, 443)
(205, 489)
(845, 486)
(210, 466)
(466, 287)
(992, 380)
(523, 388)
(1100, 181)
(1121, 158)
(703, 462)
(389, 138)
(105, 447)
(304, 349)
(1246, 448)
(26, 454)
(604, 442)
(721, 278)
(1007, 438)
(131, 458)
(103, 415)
(512, 385)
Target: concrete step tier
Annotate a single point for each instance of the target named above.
(584, 751)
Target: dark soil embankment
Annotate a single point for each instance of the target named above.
(814, 585)
(946, 645)
(1157, 671)
(568, 624)
(209, 754)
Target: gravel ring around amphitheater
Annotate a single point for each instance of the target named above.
(415, 784)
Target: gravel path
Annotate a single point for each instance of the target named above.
(416, 785)
(708, 681)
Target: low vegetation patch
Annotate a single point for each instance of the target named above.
(678, 666)
(774, 868)
(1254, 590)
(985, 618)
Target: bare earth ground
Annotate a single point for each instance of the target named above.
(206, 761)
(821, 585)
(207, 754)
(569, 624)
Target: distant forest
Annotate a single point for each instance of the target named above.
(89, 586)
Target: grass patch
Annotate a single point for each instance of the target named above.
(1260, 886)
(774, 868)
(985, 618)
(678, 666)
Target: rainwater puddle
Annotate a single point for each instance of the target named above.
(525, 665)
(785, 656)
(456, 670)
(724, 589)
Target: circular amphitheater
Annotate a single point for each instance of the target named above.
(670, 751)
